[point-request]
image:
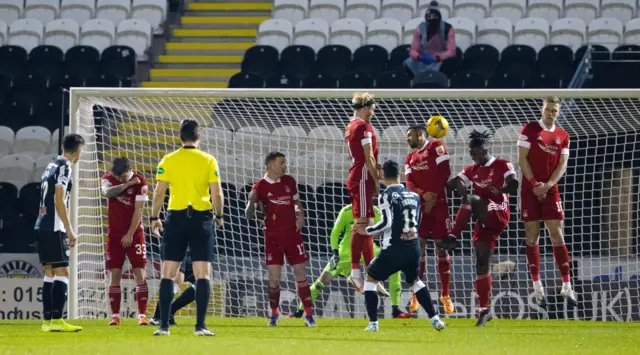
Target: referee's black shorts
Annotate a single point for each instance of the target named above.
(53, 248)
(193, 229)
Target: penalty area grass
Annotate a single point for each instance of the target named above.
(332, 336)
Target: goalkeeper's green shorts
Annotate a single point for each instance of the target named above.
(343, 268)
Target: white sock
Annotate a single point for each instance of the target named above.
(566, 284)
(537, 286)
(376, 322)
(355, 273)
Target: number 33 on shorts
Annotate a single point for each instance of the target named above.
(141, 249)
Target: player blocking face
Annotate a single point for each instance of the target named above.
(277, 194)
(126, 192)
(493, 180)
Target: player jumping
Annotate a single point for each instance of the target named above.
(340, 264)
(543, 153)
(127, 193)
(493, 180)
(186, 297)
(400, 246)
(283, 220)
(427, 172)
(362, 183)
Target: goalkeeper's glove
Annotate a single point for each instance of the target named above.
(335, 259)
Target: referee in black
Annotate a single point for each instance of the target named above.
(196, 203)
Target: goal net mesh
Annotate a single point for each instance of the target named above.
(600, 194)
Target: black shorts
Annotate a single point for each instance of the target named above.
(394, 259)
(194, 230)
(187, 269)
(53, 248)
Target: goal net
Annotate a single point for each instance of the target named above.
(600, 191)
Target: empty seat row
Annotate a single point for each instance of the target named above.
(34, 141)
(152, 11)
(66, 33)
(20, 169)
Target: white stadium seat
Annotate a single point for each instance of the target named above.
(216, 140)
(328, 10)
(3, 33)
(348, 32)
(135, 33)
(363, 10)
(570, 32)
(241, 168)
(322, 137)
(289, 138)
(41, 10)
(11, 10)
(7, 138)
(252, 139)
(62, 33)
(292, 10)
(276, 33)
(495, 31)
(80, 11)
(586, 10)
(533, 32)
(462, 136)
(313, 32)
(153, 11)
(605, 31)
(393, 141)
(632, 32)
(512, 10)
(409, 29)
(401, 10)
(549, 10)
(444, 6)
(32, 139)
(475, 10)
(41, 164)
(623, 10)
(17, 169)
(465, 31)
(385, 32)
(26, 33)
(98, 33)
(114, 10)
(505, 138)
(53, 148)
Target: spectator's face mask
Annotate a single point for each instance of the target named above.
(433, 18)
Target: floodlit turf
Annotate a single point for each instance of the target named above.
(332, 336)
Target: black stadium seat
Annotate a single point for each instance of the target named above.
(467, 80)
(517, 58)
(392, 80)
(481, 58)
(48, 113)
(285, 81)
(541, 79)
(119, 61)
(370, 59)
(397, 57)
(9, 198)
(29, 198)
(5, 86)
(15, 115)
(356, 80)
(260, 60)
(598, 52)
(556, 59)
(13, 60)
(64, 80)
(297, 60)
(45, 61)
(103, 80)
(430, 80)
(451, 65)
(28, 88)
(511, 80)
(246, 80)
(319, 81)
(333, 60)
(82, 61)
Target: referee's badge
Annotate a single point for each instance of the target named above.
(160, 170)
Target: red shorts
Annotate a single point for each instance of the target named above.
(116, 253)
(532, 209)
(279, 244)
(361, 194)
(436, 224)
(496, 222)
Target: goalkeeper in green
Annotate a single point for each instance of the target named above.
(340, 263)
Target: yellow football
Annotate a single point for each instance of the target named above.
(437, 127)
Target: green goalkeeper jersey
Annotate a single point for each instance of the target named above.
(341, 232)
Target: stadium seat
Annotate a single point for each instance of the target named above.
(5, 87)
(467, 80)
(297, 60)
(586, 10)
(152, 11)
(319, 81)
(452, 65)
(217, 140)
(533, 32)
(333, 60)
(507, 133)
(49, 113)
(512, 10)
(62, 33)
(277, 33)
(115, 11)
(260, 60)
(135, 33)
(370, 59)
(397, 57)
(41, 10)
(15, 115)
(17, 169)
(291, 10)
(321, 137)
(623, 10)
(409, 29)
(313, 33)
(444, 6)
(465, 32)
(598, 53)
(7, 137)
(82, 61)
(289, 138)
(348, 32)
(9, 197)
(481, 58)
(79, 11)
(540, 79)
(626, 66)
(45, 61)
(119, 61)
(284, 81)
(98, 33)
(3, 33)
(549, 10)
(53, 149)
(502, 80)
(517, 58)
(570, 32)
(430, 79)
(496, 32)
(11, 10)
(26, 33)
(13, 60)
(29, 199)
(363, 10)
(246, 80)
(42, 163)
(328, 10)
(474, 10)
(463, 133)
(252, 140)
(355, 80)
(64, 80)
(392, 80)
(401, 10)
(29, 88)
(605, 31)
(556, 58)
(32, 141)
(384, 32)
(632, 32)
(103, 80)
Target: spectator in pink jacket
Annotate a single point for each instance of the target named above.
(433, 41)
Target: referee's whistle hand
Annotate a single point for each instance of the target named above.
(156, 227)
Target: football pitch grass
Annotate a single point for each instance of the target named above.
(332, 336)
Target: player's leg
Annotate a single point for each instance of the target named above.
(201, 246)
(444, 270)
(361, 245)
(395, 291)
(424, 234)
(410, 268)
(483, 251)
(531, 214)
(297, 257)
(561, 256)
(383, 266)
(115, 294)
(137, 255)
(41, 246)
(274, 269)
(60, 286)
(321, 282)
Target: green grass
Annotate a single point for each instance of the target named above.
(332, 336)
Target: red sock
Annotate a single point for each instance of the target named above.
(304, 293)
(367, 249)
(422, 267)
(533, 261)
(561, 254)
(483, 289)
(444, 269)
(462, 220)
(142, 296)
(114, 299)
(274, 300)
(357, 241)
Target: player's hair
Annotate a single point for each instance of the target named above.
(72, 142)
(479, 139)
(362, 99)
(391, 169)
(272, 156)
(552, 100)
(120, 166)
(189, 130)
(418, 128)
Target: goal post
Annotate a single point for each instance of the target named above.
(600, 190)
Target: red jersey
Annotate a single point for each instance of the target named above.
(493, 173)
(427, 170)
(277, 197)
(545, 148)
(121, 207)
(358, 133)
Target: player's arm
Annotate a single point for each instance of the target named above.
(563, 161)
(112, 191)
(510, 183)
(339, 229)
(369, 158)
(386, 220)
(444, 173)
(252, 202)
(215, 189)
(60, 205)
(141, 199)
(524, 145)
(297, 204)
(411, 183)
